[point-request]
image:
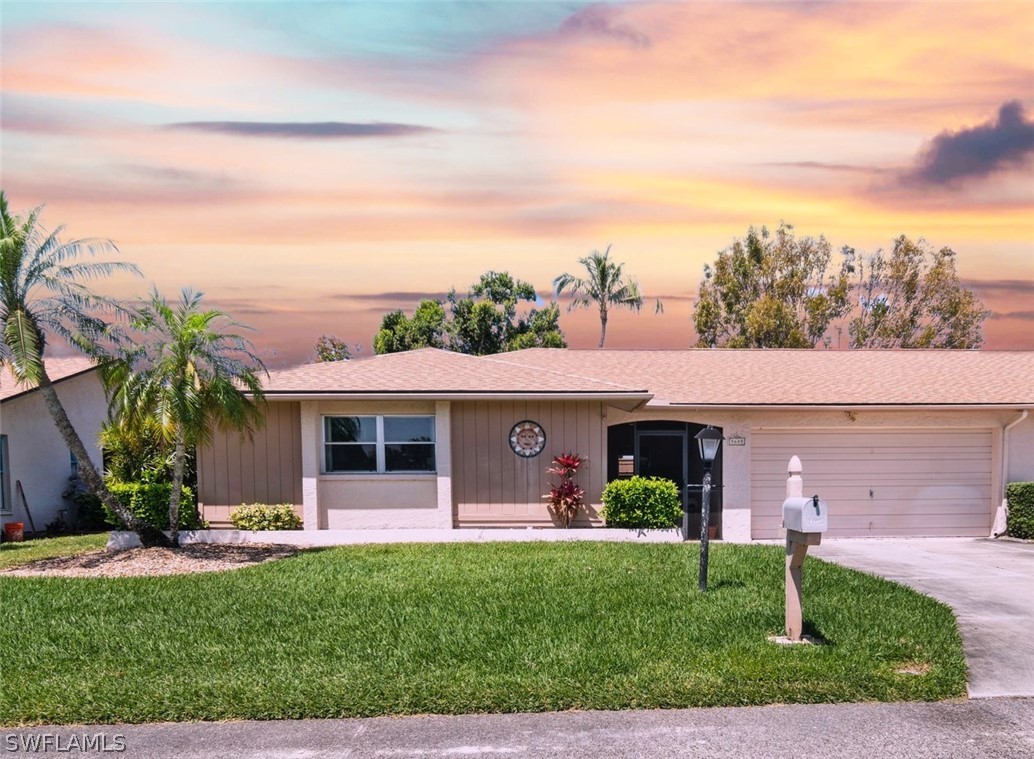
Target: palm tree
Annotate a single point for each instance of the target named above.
(44, 292)
(188, 374)
(604, 285)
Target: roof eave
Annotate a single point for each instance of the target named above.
(626, 401)
(842, 406)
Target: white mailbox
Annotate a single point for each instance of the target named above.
(805, 514)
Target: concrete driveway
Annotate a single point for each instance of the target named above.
(989, 584)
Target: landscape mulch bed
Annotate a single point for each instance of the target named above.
(142, 562)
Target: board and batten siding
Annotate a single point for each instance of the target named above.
(879, 483)
(493, 487)
(265, 468)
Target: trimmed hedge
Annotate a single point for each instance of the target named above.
(1020, 522)
(148, 502)
(642, 502)
(263, 516)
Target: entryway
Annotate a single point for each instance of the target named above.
(665, 449)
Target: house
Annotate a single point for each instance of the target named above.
(897, 442)
(33, 453)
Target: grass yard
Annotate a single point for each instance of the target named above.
(506, 627)
(13, 554)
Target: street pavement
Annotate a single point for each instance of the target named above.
(988, 583)
(948, 730)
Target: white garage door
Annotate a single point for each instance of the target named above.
(878, 483)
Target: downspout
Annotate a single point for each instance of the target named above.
(998, 527)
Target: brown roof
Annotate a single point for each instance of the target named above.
(432, 371)
(691, 377)
(58, 368)
(808, 377)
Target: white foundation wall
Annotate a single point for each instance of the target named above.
(37, 455)
(736, 504)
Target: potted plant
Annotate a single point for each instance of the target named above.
(565, 498)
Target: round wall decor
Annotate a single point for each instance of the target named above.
(527, 439)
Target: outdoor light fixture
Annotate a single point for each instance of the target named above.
(710, 440)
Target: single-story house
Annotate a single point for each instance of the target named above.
(32, 452)
(897, 442)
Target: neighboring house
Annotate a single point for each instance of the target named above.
(897, 442)
(33, 452)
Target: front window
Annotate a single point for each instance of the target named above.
(378, 444)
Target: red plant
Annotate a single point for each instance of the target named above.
(564, 499)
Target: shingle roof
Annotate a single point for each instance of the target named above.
(808, 377)
(433, 371)
(58, 368)
(693, 377)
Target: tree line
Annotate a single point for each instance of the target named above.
(766, 290)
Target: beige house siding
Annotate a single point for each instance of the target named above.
(492, 486)
(266, 468)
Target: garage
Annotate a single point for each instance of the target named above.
(879, 483)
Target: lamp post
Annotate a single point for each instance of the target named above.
(710, 440)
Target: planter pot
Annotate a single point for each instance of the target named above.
(14, 532)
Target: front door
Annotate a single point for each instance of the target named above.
(662, 453)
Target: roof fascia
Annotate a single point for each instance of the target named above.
(841, 406)
(624, 401)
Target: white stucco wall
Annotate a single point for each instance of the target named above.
(1020, 467)
(37, 455)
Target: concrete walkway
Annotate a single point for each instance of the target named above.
(317, 538)
(989, 584)
(1001, 728)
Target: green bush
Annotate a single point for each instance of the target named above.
(643, 502)
(263, 516)
(147, 501)
(1020, 523)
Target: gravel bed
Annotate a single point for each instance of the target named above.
(148, 562)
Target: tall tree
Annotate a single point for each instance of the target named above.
(913, 298)
(488, 319)
(329, 348)
(778, 291)
(604, 286)
(426, 329)
(771, 291)
(190, 375)
(45, 293)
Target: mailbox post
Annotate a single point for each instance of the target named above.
(805, 520)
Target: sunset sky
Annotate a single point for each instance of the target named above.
(312, 166)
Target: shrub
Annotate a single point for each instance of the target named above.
(1020, 522)
(643, 502)
(263, 516)
(564, 499)
(147, 501)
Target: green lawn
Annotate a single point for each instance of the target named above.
(458, 628)
(13, 554)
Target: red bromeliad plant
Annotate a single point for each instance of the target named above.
(564, 499)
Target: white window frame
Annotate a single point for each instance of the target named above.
(379, 445)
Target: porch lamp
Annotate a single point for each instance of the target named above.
(710, 440)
